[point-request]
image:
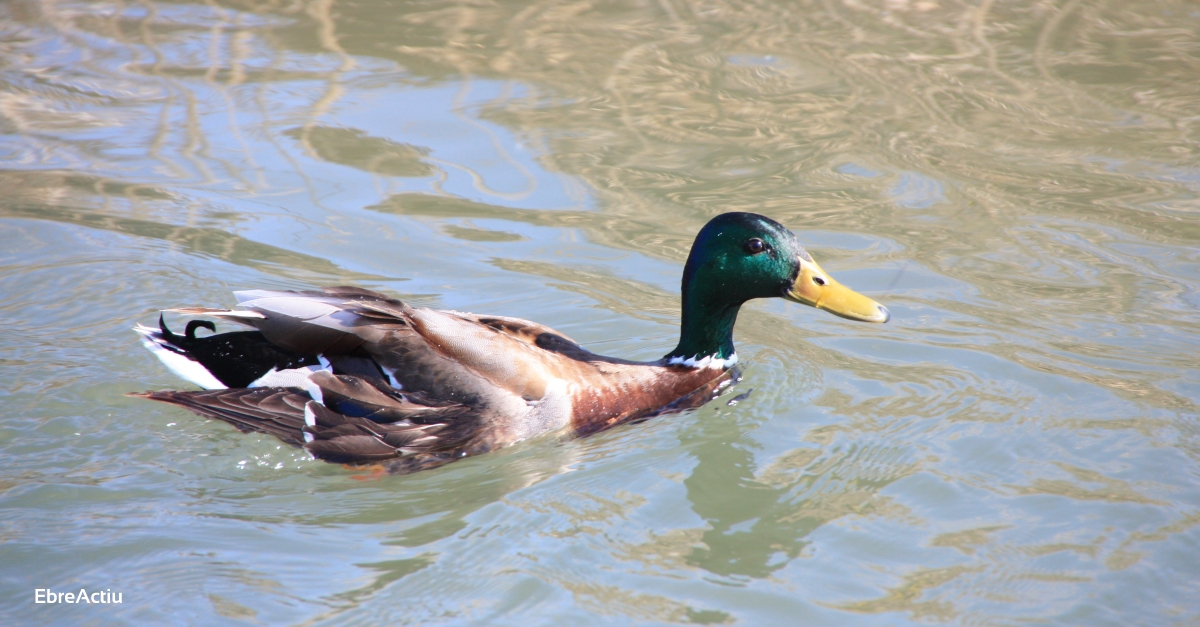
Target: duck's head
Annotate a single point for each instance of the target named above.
(742, 256)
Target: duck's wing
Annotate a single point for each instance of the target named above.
(339, 418)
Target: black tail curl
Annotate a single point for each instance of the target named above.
(237, 358)
(189, 333)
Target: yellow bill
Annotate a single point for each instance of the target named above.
(816, 288)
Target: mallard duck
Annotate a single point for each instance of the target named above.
(356, 377)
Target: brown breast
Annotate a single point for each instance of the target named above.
(650, 391)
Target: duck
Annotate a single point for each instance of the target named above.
(356, 377)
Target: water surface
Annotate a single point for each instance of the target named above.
(1018, 182)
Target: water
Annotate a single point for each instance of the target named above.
(1017, 182)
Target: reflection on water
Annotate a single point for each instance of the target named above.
(1018, 182)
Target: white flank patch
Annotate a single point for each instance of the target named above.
(313, 390)
(178, 363)
(290, 378)
(310, 419)
(708, 361)
(551, 412)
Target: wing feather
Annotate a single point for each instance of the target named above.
(291, 415)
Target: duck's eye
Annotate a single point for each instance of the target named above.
(818, 280)
(755, 246)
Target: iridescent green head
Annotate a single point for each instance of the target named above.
(741, 256)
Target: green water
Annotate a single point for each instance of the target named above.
(1017, 182)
